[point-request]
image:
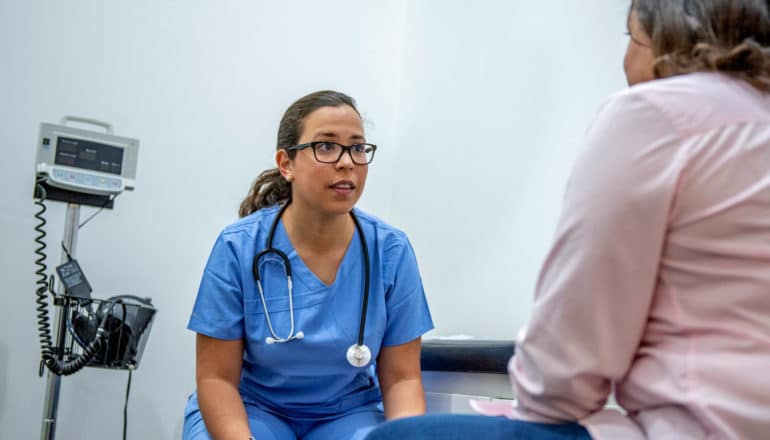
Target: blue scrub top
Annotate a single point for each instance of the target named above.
(310, 377)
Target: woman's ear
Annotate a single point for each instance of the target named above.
(285, 164)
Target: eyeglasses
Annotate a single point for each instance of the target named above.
(331, 152)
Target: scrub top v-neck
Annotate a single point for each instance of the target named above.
(309, 377)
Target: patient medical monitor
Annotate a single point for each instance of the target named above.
(86, 161)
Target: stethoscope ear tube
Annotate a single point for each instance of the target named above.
(274, 251)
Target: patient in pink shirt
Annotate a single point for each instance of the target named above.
(657, 286)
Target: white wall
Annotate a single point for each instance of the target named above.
(478, 110)
(494, 103)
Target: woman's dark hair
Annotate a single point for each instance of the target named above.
(728, 36)
(270, 187)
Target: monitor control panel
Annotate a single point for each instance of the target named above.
(86, 161)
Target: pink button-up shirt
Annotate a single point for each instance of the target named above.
(658, 282)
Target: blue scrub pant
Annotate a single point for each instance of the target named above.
(464, 427)
(353, 425)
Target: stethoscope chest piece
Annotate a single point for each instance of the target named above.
(359, 355)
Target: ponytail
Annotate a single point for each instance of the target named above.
(269, 188)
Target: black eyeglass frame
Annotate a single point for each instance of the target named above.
(343, 149)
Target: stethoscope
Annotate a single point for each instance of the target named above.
(358, 354)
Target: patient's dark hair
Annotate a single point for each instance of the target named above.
(728, 36)
(270, 187)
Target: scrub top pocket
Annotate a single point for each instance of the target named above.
(276, 298)
(255, 321)
(254, 307)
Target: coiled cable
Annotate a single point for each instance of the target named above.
(47, 352)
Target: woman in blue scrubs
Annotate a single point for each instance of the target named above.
(274, 365)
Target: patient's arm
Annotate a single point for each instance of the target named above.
(398, 369)
(597, 283)
(218, 371)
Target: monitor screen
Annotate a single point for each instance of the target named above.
(89, 155)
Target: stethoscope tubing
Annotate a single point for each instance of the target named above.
(365, 300)
(287, 268)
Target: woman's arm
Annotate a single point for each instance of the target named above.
(218, 372)
(598, 282)
(398, 369)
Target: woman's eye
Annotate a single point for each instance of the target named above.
(360, 148)
(324, 147)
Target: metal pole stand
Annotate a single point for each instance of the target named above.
(53, 381)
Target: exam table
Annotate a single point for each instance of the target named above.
(457, 370)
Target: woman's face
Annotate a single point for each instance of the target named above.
(639, 57)
(328, 188)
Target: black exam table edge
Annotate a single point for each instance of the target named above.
(466, 355)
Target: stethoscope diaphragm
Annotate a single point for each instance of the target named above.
(359, 355)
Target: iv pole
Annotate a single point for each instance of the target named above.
(53, 381)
